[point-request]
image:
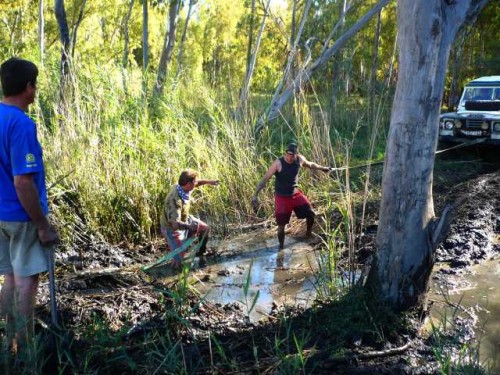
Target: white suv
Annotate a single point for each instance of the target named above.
(477, 116)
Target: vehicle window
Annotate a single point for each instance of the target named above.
(468, 94)
(497, 94)
(482, 94)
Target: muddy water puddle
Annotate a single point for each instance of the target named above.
(253, 272)
(479, 294)
(268, 276)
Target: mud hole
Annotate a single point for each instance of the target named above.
(102, 285)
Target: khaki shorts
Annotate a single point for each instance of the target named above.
(21, 253)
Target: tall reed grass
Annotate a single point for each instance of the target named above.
(112, 153)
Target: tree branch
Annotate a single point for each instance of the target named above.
(277, 103)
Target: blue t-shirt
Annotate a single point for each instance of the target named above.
(20, 153)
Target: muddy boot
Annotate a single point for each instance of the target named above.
(203, 244)
(281, 236)
(310, 222)
(203, 248)
(202, 262)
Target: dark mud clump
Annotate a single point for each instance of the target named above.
(474, 233)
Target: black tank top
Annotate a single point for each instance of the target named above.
(288, 179)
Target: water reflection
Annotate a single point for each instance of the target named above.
(278, 276)
(480, 290)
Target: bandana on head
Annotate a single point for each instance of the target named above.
(184, 196)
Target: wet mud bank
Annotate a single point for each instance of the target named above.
(102, 291)
(475, 232)
(466, 279)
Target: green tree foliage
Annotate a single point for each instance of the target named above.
(215, 48)
(18, 26)
(474, 53)
(482, 42)
(223, 45)
(107, 106)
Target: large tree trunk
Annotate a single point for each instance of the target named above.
(62, 22)
(168, 45)
(406, 236)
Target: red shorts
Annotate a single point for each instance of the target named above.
(285, 205)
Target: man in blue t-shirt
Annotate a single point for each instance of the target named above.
(24, 227)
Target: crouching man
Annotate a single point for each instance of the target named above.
(176, 224)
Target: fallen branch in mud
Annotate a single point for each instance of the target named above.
(353, 356)
(269, 365)
(248, 227)
(383, 353)
(442, 225)
(101, 271)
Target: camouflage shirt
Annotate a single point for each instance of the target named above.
(174, 209)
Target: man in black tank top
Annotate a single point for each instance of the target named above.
(287, 196)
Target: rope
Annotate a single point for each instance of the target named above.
(460, 145)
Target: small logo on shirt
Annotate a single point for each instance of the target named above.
(30, 158)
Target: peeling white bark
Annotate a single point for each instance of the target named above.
(405, 254)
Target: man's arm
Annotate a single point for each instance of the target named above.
(311, 165)
(270, 173)
(28, 196)
(180, 225)
(207, 182)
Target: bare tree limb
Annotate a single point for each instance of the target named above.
(291, 88)
(168, 46)
(191, 6)
(293, 51)
(248, 77)
(76, 26)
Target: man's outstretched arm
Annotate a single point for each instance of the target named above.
(207, 182)
(270, 173)
(311, 165)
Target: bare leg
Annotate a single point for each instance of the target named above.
(281, 236)
(204, 233)
(26, 288)
(310, 222)
(7, 306)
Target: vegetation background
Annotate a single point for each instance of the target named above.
(114, 143)
(131, 92)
